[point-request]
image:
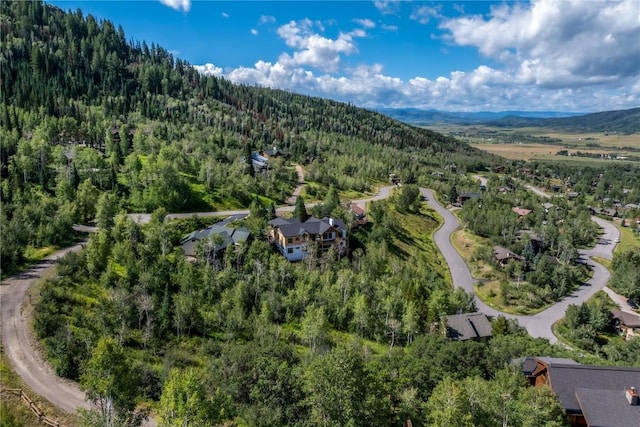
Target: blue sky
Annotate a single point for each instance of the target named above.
(543, 55)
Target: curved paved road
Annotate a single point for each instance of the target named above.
(16, 332)
(38, 375)
(541, 324)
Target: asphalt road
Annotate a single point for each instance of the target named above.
(16, 332)
(541, 324)
(66, 395)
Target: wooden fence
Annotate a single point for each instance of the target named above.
(33, 407)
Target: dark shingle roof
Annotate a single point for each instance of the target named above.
(276, 222)
(314, 225)
(503, 254)
(291, 230)
(576, 386)
(607, 408)
(229, 236)
(468, 326)
(293, 227)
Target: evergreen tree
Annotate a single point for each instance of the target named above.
(300, 210)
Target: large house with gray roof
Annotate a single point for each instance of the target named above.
(291, 236)
(592, 396)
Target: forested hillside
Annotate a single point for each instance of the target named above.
(86, 112)
(93, 125)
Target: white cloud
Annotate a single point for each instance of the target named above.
(314, 49)
(557, 44)
(423, 14)
(225, 14)
(254, 31)
(366, 23)
(183, 5)
(387, 7)
(483, 88)
(208, 69)
(266, 19)
(571, 56)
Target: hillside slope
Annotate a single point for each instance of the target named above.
(623, 121)
(63, 62)
(91, 124)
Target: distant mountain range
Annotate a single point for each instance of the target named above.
(624, 121)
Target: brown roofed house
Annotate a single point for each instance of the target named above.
(627, 323)
(358, 212)
(504, 256)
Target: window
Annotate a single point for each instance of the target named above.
(289, 239)
(328, 236)
(289, 250)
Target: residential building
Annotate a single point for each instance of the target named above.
(521, 211)
(260, 159)
(504, 256)
(468, 326)
(358, 213)
(220, 237)
(291, 236)
(272, 153)
(592, 396)
(627, 324)
(463, 197)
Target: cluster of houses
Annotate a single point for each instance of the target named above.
(260, 158)
(591, 396)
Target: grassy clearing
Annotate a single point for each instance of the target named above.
(628, 240)
(488, 288)
(580, 140)
(605, 262)
(545, 152)
(542, 143)
(414, 235)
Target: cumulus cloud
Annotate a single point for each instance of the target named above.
(314, 49)
(209, 70)
(254, 31)
(569, 55)
(557, 44)
(184, 5)
(225, 14)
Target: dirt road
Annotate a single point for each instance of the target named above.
(18, 341)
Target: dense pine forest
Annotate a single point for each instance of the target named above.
(86, 114)
(93, 126)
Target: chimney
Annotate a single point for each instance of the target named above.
(632, 396)
(331, 222)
